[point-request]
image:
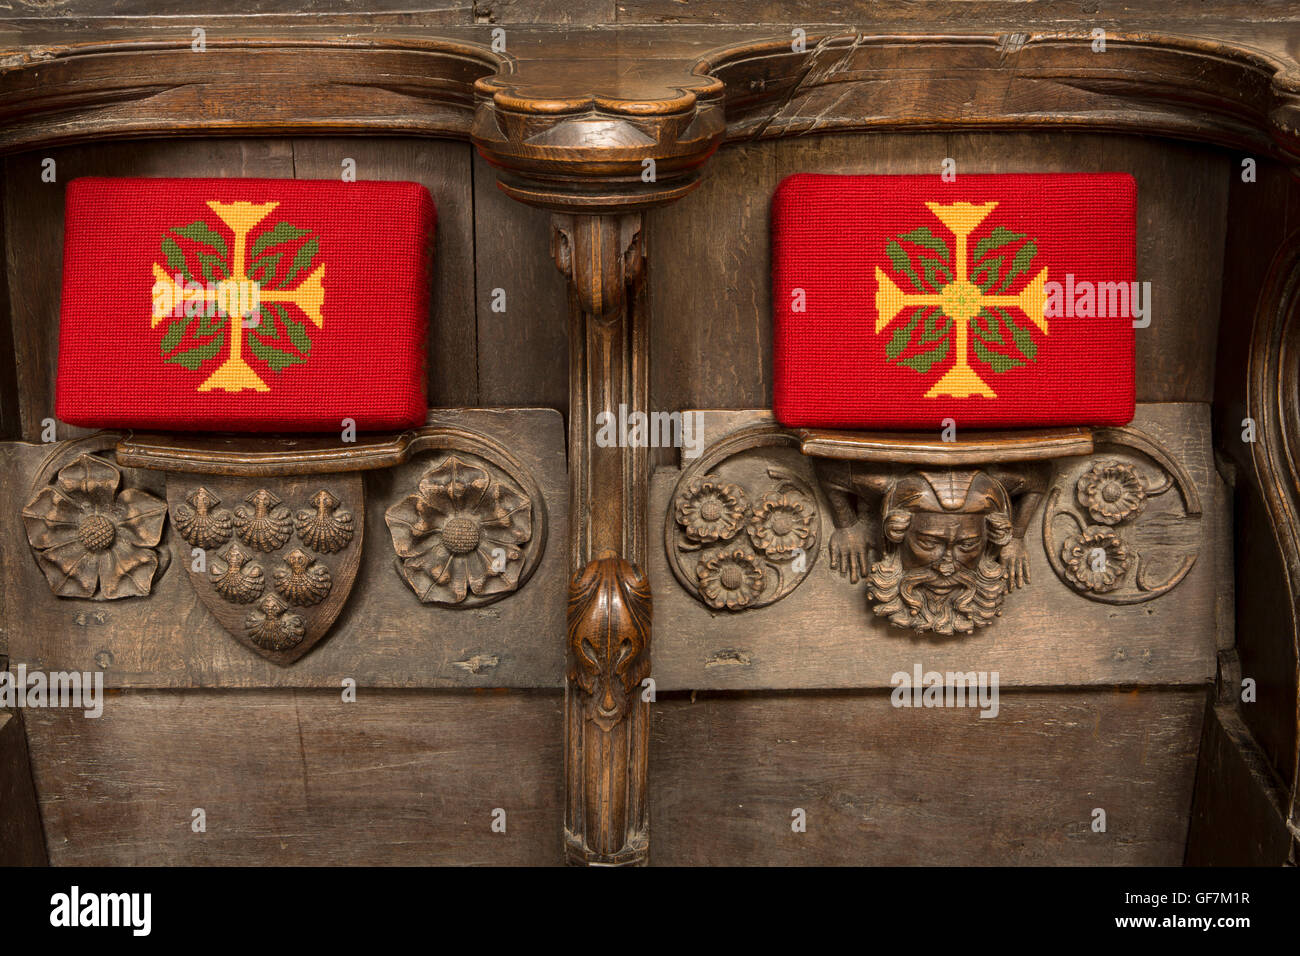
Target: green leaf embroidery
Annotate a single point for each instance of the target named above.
(1024, 341)
(175, 332)
(193, 358)
(175, 258)
(902, 335)
(934, 327)
(209, 326)
(264, 268)
(924, 361)
(280, 232)
(931, 268)
(201, 233)
(985, 271)
(297, 335)
(904, 265)
(922, 236)
(1019, 264)
(214, 268)
(275, 358)
(990, 331)
(995, 240)
(302, 259)
(995, 360)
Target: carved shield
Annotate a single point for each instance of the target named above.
(273, 559)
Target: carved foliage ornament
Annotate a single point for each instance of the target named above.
(92, 538)
(465, 537)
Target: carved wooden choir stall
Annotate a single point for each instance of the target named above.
(648, 559)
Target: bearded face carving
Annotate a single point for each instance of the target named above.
(941, 570)
(950, 542)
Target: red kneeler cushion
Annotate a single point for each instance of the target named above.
(328, 283)
(995, 300)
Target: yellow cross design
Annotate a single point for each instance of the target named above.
(235, 374)
(961, 300)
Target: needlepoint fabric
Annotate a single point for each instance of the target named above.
(244, 304)
(996, 301)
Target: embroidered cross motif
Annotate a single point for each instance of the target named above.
(960, 299)
(235, 374)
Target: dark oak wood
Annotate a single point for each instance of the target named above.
(1238, 815)
(291, 777)
(888, 787)
(22, 838)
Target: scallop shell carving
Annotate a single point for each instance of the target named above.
(270, 627)
(327, 529)
(268, 525)
(198, 522)
(236, 578)
(302, 580)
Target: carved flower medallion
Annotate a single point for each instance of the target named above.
(463, 534)
(1111, 492)
(1095, 559)
(730, 579)
(92, 541)
(781, 523)
(709, 509)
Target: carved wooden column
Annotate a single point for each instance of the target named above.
(606, 721)
(596, 162)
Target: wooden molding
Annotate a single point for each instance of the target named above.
(1273, 401)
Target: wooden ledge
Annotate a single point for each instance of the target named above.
(926, 449)
(281, 455)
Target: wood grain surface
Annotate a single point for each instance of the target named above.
(898, 787)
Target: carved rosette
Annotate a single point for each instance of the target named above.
(466, 537)
(743, 528)
(92, 538)
(1110, 531)
(276, 569)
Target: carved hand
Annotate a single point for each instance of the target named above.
(1016, 562)
(848, 549)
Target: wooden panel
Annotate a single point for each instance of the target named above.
(710, 281)
(299, 777)
(22, 841)
(384, 637)
(1237, 816)
(884, 786)
(443, 167)
(523, 353)
(824, 634)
